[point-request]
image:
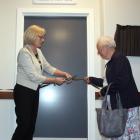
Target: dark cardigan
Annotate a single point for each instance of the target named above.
(119, 73)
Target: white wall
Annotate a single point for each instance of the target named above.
(7, 119)
(113, 12)
(8, 26)
(123, 12)
(135, 64)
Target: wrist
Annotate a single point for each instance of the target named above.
(64, 74)
(50, 80)
(54, 80)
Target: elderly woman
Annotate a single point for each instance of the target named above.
(119, 73)
(30, 67)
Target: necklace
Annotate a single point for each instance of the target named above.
(36, 55)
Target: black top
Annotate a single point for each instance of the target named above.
(119, 73)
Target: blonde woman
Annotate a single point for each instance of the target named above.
(30, 67)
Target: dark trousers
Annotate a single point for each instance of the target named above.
(26, 108)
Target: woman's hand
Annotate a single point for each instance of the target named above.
(56, 80)
(67, 75)
(62, 74)
(59, 80)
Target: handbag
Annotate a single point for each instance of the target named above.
(111, 123)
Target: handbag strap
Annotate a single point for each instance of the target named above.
(106, 101)
(119, 104)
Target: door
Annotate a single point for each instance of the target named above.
(63, 109)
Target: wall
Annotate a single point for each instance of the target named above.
(8, 27)
(8, 33)
(123, 12)
(7, 119)
(113, 12)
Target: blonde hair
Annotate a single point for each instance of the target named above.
(106, 41)
(32, 32)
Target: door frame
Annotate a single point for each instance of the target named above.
(93, 63)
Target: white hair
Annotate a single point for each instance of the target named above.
(106, 41)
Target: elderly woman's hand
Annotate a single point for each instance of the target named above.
(86, 79)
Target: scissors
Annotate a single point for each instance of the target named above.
(67, 81)
(70, 80)
(73, 78)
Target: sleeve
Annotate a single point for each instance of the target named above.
(103, 90)
(96, 81)
(122, 76)
(25, 63)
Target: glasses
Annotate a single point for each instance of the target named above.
(41, 37)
